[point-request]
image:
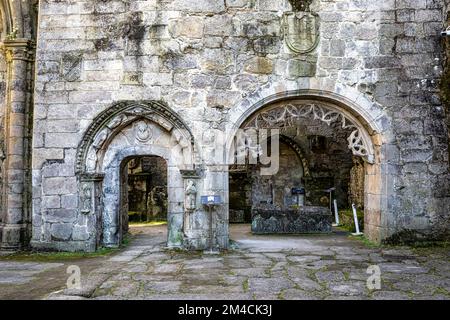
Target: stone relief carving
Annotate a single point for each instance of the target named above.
(191, 196)
(117, 121)
(143, 131)
(91, 160)
(301, 27)
(286, 116)
(100, 139)
(86, 198)
(125, 113)
(71, 67)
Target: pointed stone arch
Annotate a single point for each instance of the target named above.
(126, 130)
(112, 121)
(282, 114)
(365, 120)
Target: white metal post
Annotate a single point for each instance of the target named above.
(355, 216)
(336, 214)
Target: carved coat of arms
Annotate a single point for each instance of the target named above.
(301, 30)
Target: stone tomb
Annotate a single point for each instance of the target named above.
(267, 219)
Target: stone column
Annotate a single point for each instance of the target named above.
(91, 211)
(19, 57)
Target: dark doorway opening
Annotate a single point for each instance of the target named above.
(145, 196)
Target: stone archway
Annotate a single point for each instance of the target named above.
(124, 131)
(364, 123)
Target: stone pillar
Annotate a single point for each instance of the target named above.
(91, 211)
(19, 57)
(192, 186)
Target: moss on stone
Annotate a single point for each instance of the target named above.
(245, 285)
(414, 238)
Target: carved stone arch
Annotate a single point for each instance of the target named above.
(286, 113)
(6, 19)
(126, 130)
(347, 108)
(111, 121)
(19, 18)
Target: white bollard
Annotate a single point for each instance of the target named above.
(336, 214)
(355, 216)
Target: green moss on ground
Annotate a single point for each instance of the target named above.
(57, 256)
(147, 224)
(347, 222)
(366, 242)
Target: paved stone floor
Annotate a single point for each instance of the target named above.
(261, 267)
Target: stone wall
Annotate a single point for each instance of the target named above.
(207, 59)
(3, 75)
(445, 83)
(422, 189)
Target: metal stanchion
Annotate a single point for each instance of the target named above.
(355, 216)
(336, 214)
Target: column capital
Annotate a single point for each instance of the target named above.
(18, 49)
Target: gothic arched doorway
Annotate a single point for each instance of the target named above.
(331, 136)
(121, 134)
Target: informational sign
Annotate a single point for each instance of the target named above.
(211, 200)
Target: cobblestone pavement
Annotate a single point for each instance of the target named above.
(262, 267)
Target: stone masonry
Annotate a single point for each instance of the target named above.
(128, 78)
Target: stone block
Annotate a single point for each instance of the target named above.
(300, 68)
(59, 185)
(51, 202)
(219, 25)
(80, 233)
(190, 27)
(61, 231)
(259, 65)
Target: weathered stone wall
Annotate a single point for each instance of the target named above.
(445, 83)
(204, 58)
(3, 75)
(276, 189)
(423, 187)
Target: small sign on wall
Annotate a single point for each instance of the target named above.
(211, 200)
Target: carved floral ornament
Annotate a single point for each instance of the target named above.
(116, 118)
(286, 115)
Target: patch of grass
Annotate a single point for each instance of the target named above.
(441, 291)
(126, 240)
(147, 224)
(245, 285)
(347, 221)
(57, 256)
(366, 242)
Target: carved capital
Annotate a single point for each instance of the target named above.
(191, 174)
(18, 49)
